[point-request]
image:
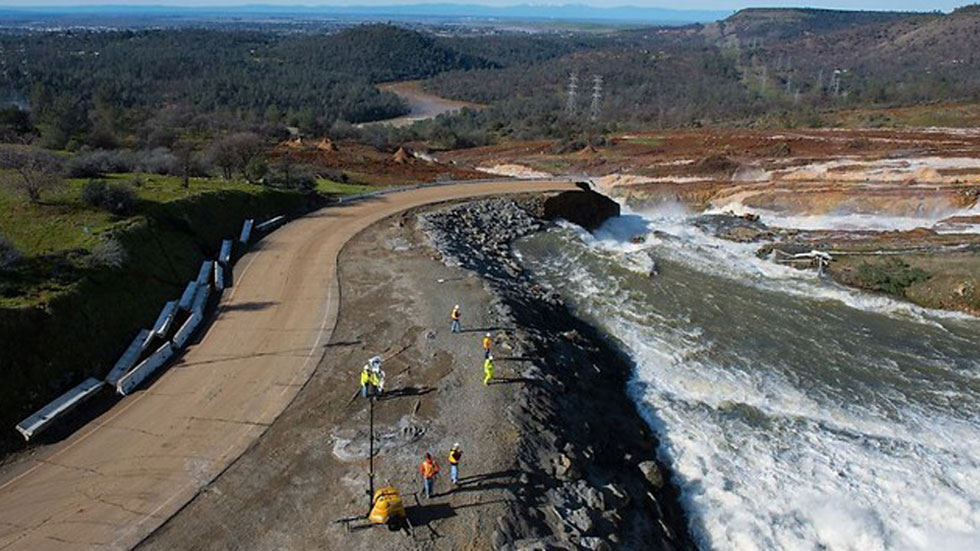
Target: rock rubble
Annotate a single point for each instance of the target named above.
(589, 477)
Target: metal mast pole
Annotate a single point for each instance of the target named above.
(371, 454)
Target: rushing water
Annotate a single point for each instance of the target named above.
(796, 414)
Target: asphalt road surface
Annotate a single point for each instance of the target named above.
(113, 482)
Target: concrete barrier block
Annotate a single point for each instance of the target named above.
(224, 256)
(270, 223)
(246, 232)
(204, 274)
(219, 277)
(165, 319)
(187, 299)
(184, 333)
(146, 368)
(201, 299)
(129, 357)
(60, 406)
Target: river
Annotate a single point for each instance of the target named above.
(796, 414)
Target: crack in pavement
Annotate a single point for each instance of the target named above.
(232, 421)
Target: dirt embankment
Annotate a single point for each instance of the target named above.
(555, 455)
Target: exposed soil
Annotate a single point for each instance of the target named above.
(356, 163)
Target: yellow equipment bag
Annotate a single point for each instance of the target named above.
(388, 506)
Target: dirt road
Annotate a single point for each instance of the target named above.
(115, 481)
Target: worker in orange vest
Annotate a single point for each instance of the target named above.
(486, 346)
(454, 316)
(455, 454)
(429, 469)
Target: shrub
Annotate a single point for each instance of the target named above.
(108, 253)
(892, 277)
(97, 163)
(9, 255)
(116, 198)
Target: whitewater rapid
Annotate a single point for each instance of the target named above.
(796, 414)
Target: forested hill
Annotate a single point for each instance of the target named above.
(96, 88)
(787, 23)
(381, 53)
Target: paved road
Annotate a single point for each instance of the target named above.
(124, 474)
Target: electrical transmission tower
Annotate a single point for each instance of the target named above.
(572, 91)
(596, 97)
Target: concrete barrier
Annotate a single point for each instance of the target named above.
(147, 367)
(219, 277)
(270, 223)
(246, 232)
(165, 319)
(204, 274)
(187, 299)
(184, 333)
(129, 357)
(224, 256)
(201, 299)
(61, 405)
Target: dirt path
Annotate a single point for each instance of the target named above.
(114, 482)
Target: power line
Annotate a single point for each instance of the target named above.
(572, 92)
(596, 97)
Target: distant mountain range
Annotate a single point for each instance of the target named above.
(566, 12)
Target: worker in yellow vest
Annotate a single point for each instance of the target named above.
(455, 454)
(455, 316)
(488, 370)
(486, 346)
(366, 382)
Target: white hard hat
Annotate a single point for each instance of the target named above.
(375, 363)
(488, 334)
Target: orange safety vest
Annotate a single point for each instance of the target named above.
(429, 469)
(486, 343)
(454, 456)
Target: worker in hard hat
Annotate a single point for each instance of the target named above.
(372, 378)
(366, 381)
(455, 454)
(488, 368)
(486, 346)
(378, 379)
(455, 316)
(429, 469)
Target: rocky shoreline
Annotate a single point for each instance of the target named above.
(589, 476)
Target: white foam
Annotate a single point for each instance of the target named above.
(768, 459)
(853, 221)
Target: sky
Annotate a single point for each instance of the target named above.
(913, 5)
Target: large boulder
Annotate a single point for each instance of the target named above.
(583, 207)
